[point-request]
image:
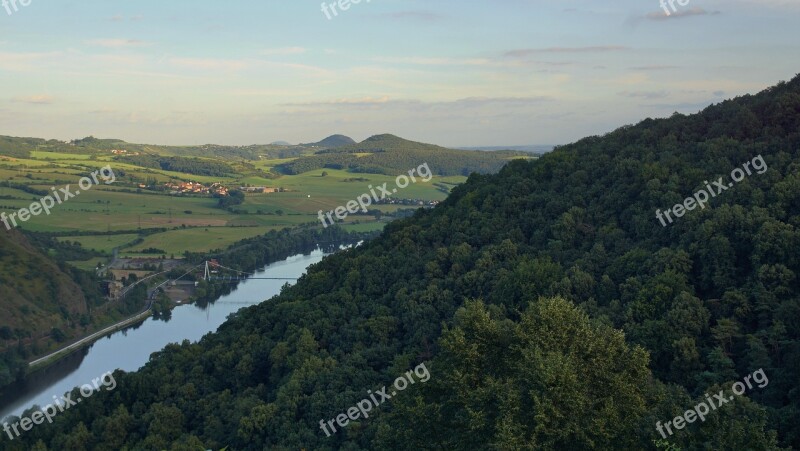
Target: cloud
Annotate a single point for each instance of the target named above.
(459, 104)
(234, 65)
(473, 102)
(520, 53)
(209, 63)
(26, 61)
(41, 99)
(104, 111)
(120, 18)
(366, 101)
(117, 43)
(284, 51)
(421, 16)
(681, 13)
(432, 61)
(654, 67)
(645, 94)
(684, 106)
(777, 4)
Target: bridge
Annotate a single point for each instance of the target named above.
(211, 273)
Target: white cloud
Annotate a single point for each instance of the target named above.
(645, 94)
(117, 43)
(41, 99)
(284, 51)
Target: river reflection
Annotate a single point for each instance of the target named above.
(130, 349)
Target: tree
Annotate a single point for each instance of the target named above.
(552, 380)
(58, 335)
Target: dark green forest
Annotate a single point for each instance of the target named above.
(194, 166)
(551, 307)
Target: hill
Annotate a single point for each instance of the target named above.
(47, 302)
(550, 306)
(41, 302)
(332, 141)
(535, 149)
(389, 154)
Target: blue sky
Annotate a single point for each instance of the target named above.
(455, 73)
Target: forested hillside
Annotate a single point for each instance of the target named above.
(552, 308)
(180, 164)
(41, 301)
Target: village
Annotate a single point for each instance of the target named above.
(214, 188)
(195, 188)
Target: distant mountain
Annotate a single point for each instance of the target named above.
(538, 149)
(390, 154)
(280, 143)
(333, 141)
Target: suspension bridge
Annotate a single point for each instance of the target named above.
(212, 271)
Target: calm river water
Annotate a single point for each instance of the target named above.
(130, 349)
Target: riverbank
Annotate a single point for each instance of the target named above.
(131, 342)
(133, 346)
(44, 362)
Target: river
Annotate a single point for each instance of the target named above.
(130, 349)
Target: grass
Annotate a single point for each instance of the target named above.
(198, 240)
(39, 155)
(121, 207)
(101, 243)
(22, 195)
(88, 265)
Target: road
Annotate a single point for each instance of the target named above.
(130, 287)
(91, 338)
(95, 336)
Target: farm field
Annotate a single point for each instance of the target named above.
(193, 223)
(175, 242)
(101, 243)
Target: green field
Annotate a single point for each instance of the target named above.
(88, 265)
(197, 240)
(101, 243)
(194, 222)
(39, 155)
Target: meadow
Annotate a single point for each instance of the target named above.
(120, 213)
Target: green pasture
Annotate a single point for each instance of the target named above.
(101, 243)
(193, 223)
(100, 209)
(88, 265)
(82, 164)
(40, 155)
(15, 193)
(198, 240)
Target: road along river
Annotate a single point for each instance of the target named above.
(129, 349)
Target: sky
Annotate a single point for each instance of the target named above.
(453, 73)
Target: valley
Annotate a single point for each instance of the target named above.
(153, 222)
